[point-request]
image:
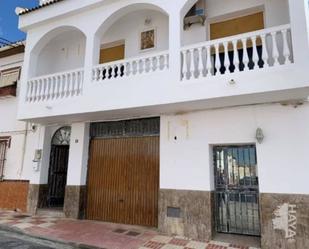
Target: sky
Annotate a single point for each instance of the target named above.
(9, 20)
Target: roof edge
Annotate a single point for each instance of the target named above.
(26, 11)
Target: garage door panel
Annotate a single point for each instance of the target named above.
(123, 180)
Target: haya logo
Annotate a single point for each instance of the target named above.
(285, 220)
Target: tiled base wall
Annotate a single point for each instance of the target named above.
(195, 218)
(14, 195)
(37, 197)
(74, 203)
(276, 211)
(284, 217)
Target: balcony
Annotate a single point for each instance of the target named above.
(235, 54)
(71, 76)
(54, 87)
(123, 69)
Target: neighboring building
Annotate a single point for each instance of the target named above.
(14, 180)
(190, 116)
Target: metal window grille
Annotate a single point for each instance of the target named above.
(3, 148)
(126, 128)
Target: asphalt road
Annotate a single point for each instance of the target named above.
(10, 240)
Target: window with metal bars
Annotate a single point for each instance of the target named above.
(4, 143)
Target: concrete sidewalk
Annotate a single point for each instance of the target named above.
(92, 234)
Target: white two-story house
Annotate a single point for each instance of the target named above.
(189, 116)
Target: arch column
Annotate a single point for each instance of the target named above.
(176, 15)
(74, 202)
(92, 55)
(175, 25)
(298, 18)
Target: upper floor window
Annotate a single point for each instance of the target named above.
(9, 77)
(4, 144)
(8, 81)
(238, 25)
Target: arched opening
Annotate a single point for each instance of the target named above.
(132, 31)
(193, 15)
(59, 50)
(58, 166)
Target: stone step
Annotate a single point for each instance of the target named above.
(50, 212)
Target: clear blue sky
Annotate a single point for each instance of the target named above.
(9, 20)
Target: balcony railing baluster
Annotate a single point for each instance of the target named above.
(55, 86)
(130, 67)
(250, 51)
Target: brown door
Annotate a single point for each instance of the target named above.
(237, 26)
(112, 54)
(123, 180)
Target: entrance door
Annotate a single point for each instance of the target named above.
(58, 166)
(237, 191)
(123, 175)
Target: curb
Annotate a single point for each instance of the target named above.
(57, 241)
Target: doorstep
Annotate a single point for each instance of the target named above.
(93, 234)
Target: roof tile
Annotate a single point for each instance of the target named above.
(26, 11)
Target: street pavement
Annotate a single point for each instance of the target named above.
(9, 240)
(85, 233)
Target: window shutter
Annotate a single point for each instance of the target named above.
(9, 77)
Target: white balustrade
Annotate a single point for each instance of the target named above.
(55, 86)
(250, 51)
(130, 67)
(267, 48)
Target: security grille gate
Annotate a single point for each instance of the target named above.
(237, 191)
(123, 173)
(59, 158)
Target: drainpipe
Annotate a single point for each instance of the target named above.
(23, 151)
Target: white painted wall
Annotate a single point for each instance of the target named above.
(186, 163)
(9, 126)
(129, 27)
(16, 130)
(65, 52)
(78, 158)
(37, 172)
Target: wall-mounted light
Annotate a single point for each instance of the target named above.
(232, 82)
(33, 127)
(148, 21)
(259, 135)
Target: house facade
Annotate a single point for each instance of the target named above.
(189, 116)
(14, 179)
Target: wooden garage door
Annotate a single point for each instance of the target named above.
(123, 180)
